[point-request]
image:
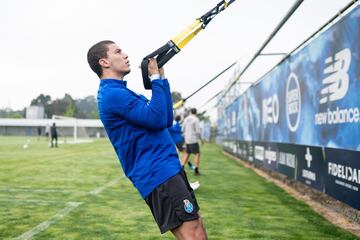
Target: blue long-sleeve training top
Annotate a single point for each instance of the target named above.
(176, 133)
(137, 129)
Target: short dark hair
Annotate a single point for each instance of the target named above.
(177, 118)
(193, 110)
(95, 53)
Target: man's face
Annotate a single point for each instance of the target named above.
(117, 60)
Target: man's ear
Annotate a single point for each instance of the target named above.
(104, 63)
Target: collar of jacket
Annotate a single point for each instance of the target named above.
(113, 81)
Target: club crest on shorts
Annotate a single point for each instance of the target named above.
(188, 206)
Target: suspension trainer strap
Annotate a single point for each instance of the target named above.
(166, 52)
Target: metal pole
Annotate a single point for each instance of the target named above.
(326, 24)
(351, 3)
(273, 54)
(278, 27)
(210, 81)
(217, 94)
(182, 101)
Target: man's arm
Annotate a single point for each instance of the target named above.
(151, 115)
(183, 127)
(169, 101)
(169, 105)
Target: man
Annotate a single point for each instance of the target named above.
(137, 129)
(54, 135)
(39, 132)
(191, 129)
(177, 136)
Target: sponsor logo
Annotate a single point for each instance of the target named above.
(345, 175)
(188, 206)
(251, 152)
(349, 115)
(308, 157)
(293, 102)
(344, 172)
(307, 174)
(259, 153)
(233, 121)
(287, 159)
(242, 150)
(337, 83)
(233, 147)
(230, 146)
(335, 87)
(270, 110)
(270, 155)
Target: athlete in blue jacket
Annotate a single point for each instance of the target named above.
(137, 129)
(176, 134)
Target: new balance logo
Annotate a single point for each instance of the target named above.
(337, 83)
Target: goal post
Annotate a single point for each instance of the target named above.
(78, 133)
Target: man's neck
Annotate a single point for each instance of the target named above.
(112, 76)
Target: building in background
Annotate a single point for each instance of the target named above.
(35, 112)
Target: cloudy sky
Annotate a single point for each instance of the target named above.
(43, 43)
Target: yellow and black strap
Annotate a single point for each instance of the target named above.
(172, 47)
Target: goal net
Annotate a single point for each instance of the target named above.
(71, 130)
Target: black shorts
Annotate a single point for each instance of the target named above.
(192, 148)
(173, 202)
(180, 146)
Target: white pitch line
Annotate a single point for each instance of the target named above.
(62, 213)
(28, 200)
(36, 190)
(100, 189)
(44, 225)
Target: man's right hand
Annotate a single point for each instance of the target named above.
(153, 67)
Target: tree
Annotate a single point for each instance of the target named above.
(70, 109)
(86, 107)
(62, 106)
(67, 106)
(69, 103)
(9, 113)
(41, 100)
(203, 117)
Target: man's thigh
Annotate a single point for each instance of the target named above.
(173, 203)
(191, 230)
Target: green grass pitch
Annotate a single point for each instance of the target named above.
(79, 192)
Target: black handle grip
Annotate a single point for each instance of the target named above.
(164, 54)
